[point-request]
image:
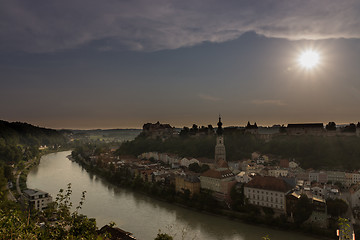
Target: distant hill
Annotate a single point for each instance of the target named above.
(107, 135)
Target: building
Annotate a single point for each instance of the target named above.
(305, 129)
(293, 164)
(185, 162)
(252, 129)
(158, 130)
(335, 176)
(206, 161)
(352, 178)
(320, 177)
(220, 152)
(37, 199)
(355, 196)
(187, 182)
(267, 192)
(277, 172)
(284, 163)
(242, 177)
(219, 181)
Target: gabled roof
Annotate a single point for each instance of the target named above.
(269, 183)
(222, 164)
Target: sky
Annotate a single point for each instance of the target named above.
(89, 64)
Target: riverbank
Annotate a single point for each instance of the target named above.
(21, 174)
(138, 213)
(154, 191)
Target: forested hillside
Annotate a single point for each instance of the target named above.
(19, 140)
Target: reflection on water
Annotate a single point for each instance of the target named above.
(136, 212)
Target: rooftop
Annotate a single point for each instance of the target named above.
(220, 174)
(34, 192)
(269, 183)
(306, 125)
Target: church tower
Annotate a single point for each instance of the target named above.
(220, 153)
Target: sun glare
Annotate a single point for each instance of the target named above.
(309, 59)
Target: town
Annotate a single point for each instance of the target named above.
(264, 184)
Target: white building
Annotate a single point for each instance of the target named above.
(335, 176)
(267, 192)
(278, 172)
(242, 177)
(37, 199)
(355, 196)
(186, 162)
(352, 178)
(293, 164)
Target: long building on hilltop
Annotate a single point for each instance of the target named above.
(305, 129)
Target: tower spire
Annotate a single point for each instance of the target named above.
(219, 130)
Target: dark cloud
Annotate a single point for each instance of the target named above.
(38, 26)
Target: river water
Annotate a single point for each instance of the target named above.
(136, 213)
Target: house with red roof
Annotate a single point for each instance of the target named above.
(266, 191)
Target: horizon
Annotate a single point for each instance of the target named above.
(180, 127)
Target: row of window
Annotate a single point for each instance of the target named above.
(262, 192)
(271, 199)
(266, 204)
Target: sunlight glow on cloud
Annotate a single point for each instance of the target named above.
(140, 26)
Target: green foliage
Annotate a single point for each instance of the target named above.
(21, 141)
(238, 197)
(344, 228)
(163, 236)
(195, 167)
(303, 209)
(183, 146)
(204, 168)
(16, 224)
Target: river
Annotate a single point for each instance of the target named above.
(137, 213)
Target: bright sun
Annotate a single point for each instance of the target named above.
(309, 59)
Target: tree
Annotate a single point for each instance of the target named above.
(336, 207)
(204, 168)
(15, 224)
(194, 167)
(163, 236)
(344, 229)
(331, 126)
(350, 128)
(238, 197)
(303, 209)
